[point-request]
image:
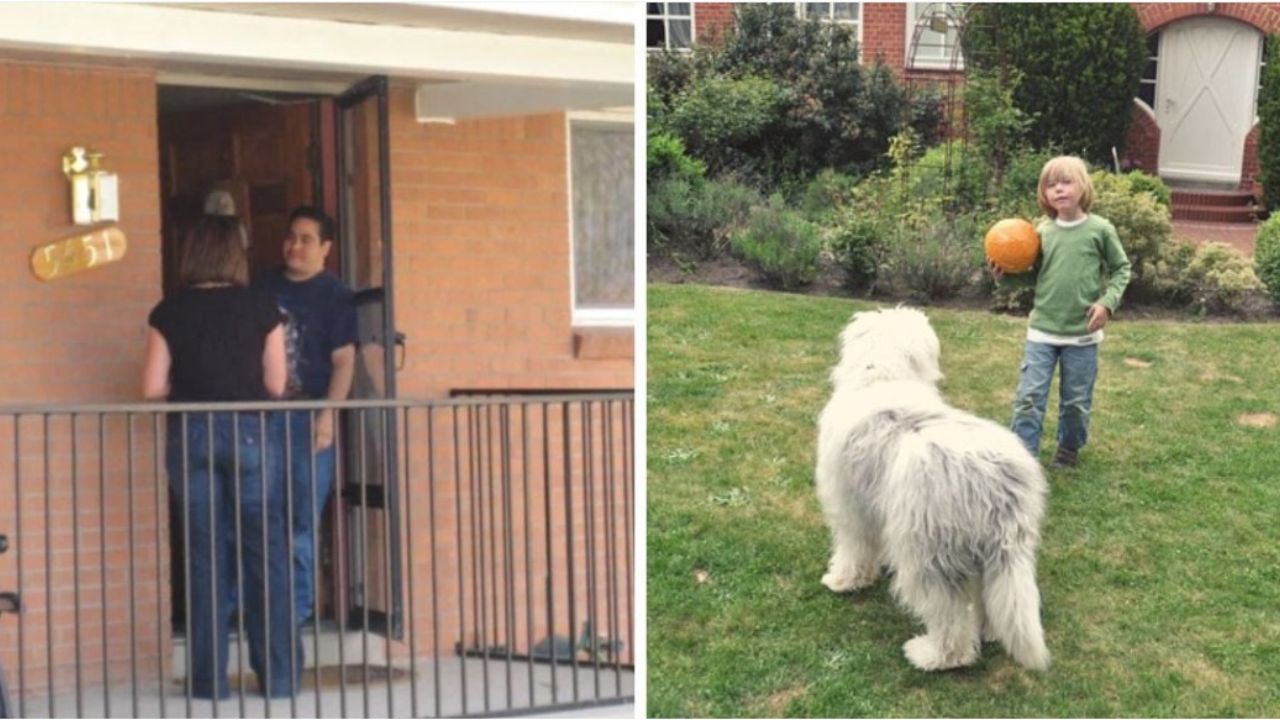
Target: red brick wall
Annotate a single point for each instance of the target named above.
(712, 20)
(1142, 144)
(77, 339)
(1251, 168)
(481, 225)
(482, 256)
(884, 34)
(1264, 16)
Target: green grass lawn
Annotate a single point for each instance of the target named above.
(1160, 561)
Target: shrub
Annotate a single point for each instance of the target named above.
(1080, 66)
(727, 121)
(856, 241)
(1221, 278)
(1142, 182)
(939, 263)
(1167, 275)
(1266, 256)
(1142, 224)
(1016, 194)
(695, 219)
(826, 194)
(666, 159)
(999, 128)
(1269, 127)
(780, 244)
(824, 109)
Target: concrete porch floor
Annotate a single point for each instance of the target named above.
(518, 689)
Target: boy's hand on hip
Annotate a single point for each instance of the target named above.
(1098, 316)
(323, 431)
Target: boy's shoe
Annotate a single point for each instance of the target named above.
(1065, 458)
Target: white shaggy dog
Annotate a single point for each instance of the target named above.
(951, 503)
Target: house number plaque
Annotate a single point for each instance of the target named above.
(77, 253)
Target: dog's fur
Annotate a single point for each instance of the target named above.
(951, 503)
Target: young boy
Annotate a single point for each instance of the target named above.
(1079, 278)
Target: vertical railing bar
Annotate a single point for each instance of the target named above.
(388, 483)
(489, 591)
(435, 559)
(102, 559)
(75, 569)
(241, 595)
(611, 535)
(364, 556)
(340, 520)
(155, 468)
(504, 416)
(412, 629)
(315, 547)
(551, 587)
(606, 505)
(478, 547)
(264, 482)
(133, 597)
(474, 464)
(213, 559)
(528, 548)
(628, 496)
(589, 526)
(186, 557)
(48, 567)
(462, 603)
(291, 596)
(21, 551)
(573, 576)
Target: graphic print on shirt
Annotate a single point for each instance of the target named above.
(293, 353)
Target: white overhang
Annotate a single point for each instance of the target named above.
(470, 66)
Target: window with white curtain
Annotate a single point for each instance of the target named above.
(938, 40)
(602, 189)
(668, 26)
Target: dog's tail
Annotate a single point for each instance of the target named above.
(1012, 604)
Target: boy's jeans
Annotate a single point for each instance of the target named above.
(309, 499)
(1079, 370)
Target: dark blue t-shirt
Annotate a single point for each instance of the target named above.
(322, 318)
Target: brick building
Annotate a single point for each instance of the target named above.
(479, 160)
(1194, 120)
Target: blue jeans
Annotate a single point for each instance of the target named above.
(309, 498)
(217, 447)
(1079, 370)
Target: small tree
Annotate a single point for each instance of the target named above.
(1080, 64)
(1269, 126)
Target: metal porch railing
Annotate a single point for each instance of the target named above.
(475, 557)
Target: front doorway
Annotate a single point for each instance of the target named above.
(268, 152)
(1205, 98)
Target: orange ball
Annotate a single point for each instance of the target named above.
(1012, 245)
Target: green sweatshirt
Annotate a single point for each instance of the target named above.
(1078, 266)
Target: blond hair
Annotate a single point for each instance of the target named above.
(1064, 167)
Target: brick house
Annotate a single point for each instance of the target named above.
(1194, 122)
(479, 161)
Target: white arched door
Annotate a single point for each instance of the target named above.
(1205, 92)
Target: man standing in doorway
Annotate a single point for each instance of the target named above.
(320, 340)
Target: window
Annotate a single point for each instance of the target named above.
(668, 26)
(837, 12)
(602, 223)
(1147, 86)
(932, 29)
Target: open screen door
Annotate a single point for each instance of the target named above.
(370, 501)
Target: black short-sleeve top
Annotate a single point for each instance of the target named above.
(216, 337)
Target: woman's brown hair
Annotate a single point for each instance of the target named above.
(213, 251)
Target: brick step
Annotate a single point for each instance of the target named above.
(1223, 198)
(1214, 213)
